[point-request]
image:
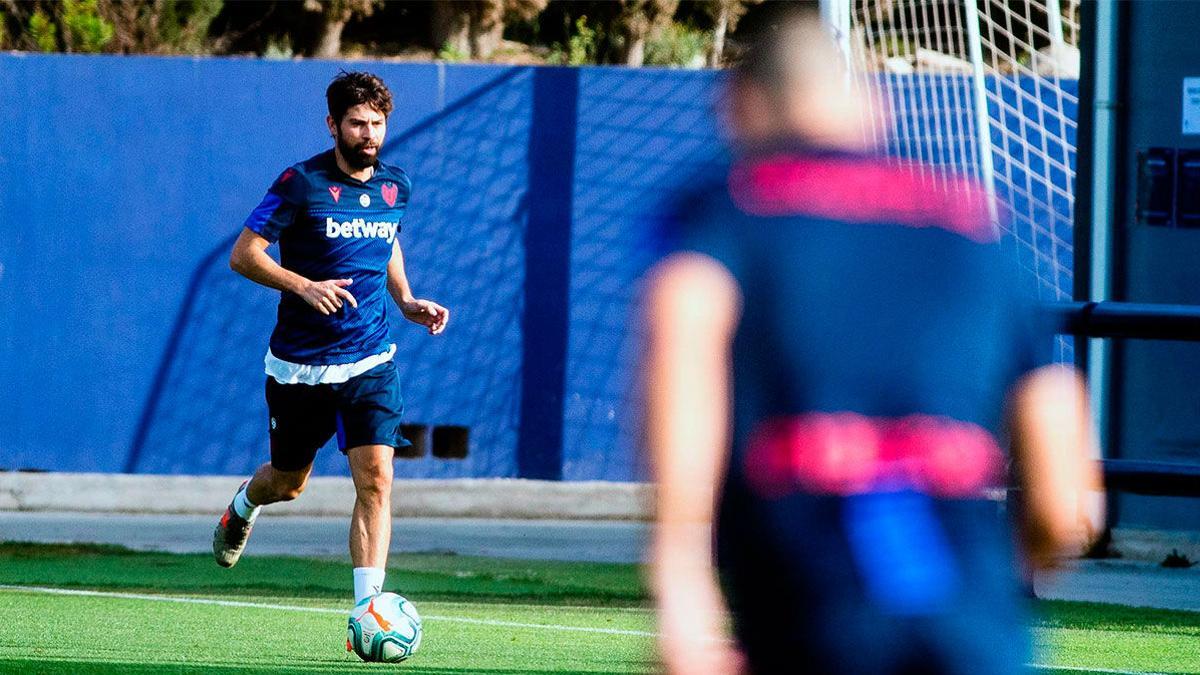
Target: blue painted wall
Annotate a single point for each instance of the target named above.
(135, 180)
(640, 131)
(124, 179)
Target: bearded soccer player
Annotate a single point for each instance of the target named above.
(336, 217)
(833, 346)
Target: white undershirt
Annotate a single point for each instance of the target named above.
(286, 372)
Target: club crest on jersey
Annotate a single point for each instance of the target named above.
(359, 228)
(389, 191)
(364, 200)
(335, 192)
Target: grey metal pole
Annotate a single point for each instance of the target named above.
(1101, 206)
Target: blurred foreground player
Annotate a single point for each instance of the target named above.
(329, 367)
(835, 356)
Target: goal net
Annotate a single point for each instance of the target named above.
(987, 89)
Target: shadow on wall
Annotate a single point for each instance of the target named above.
(462, 239)
(638, 133)
(641, 133)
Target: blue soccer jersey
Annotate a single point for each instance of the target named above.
(332, 226)
(882, 328)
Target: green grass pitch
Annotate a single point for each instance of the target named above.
(164, 613)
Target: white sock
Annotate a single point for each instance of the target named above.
(368, 581)
(244, 507)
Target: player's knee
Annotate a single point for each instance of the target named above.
(290, 492)
(376, 487)
(288, 488)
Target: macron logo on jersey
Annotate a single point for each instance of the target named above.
(359, 228)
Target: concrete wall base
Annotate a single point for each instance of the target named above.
(329, 496)
(1155, 545)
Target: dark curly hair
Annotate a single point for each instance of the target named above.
(350, 89)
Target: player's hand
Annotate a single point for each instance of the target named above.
(427, 313)
(327, 297)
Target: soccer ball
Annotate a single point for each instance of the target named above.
(384, 627)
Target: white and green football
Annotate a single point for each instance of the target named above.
(385, 628)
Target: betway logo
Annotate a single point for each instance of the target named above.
(361, 229)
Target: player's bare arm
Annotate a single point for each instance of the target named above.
(1062, 508)
(693, 303)
(249, 259)
(425, 312)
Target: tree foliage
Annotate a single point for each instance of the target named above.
(121, 26)
(83, 29)
(581, 46)
(638, 21)
(335, 14)
(43, 33)
(678, 44)
(475, 27)
(631, 32)
(725, 15)
(160, 26)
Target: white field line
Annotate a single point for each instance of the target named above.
(1078, 669)
(454, 619)
(316, 610)
(518, 605)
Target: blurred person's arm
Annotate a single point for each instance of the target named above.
(1062, 507)
(693, 304)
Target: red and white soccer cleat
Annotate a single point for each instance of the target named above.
(229, 539)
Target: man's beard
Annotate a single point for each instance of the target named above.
(356, 156)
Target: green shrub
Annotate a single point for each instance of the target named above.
(582, 47)
(678, 45)
(83, 28)
(449, 52)
(42, 32)
(279, 49)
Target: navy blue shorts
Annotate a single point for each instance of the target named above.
(365, 410)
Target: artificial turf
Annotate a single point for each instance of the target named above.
(481, 616)
(426, 576)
